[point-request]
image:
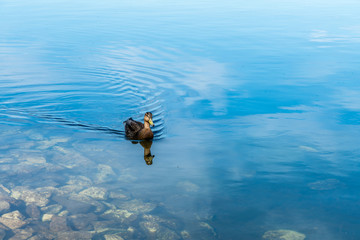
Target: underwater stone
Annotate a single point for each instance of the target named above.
(13, 220)
(52, 209)
(35, 159)
(326, 184)
(58, 224)
(73, 206)
(2, 234)
(47, 217)
(137, 206)
(4, 206)
(35, 136)
(105, 172)
(78, 235)
(150, 227)
(49, 143)
(207, 226)
(117, 194)
(30, 196)
(4, 189)
(79, 181)
(308, 149)
(22, 234)
(122, 215)
(188, 186)
(283, 235)
(185, 234)
(95, 193)
(33, 211)
(156, 231)
(157, 219)
(70, 189)
(113, 237)
(63, 213)
(82, 221)
(99, 207)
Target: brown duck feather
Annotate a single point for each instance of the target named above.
(137, 131)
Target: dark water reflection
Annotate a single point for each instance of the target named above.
(255, 106)
(146, 144)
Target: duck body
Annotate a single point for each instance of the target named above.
(135, 130)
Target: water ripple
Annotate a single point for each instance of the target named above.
(97, 96)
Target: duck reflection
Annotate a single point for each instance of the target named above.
(146, 144)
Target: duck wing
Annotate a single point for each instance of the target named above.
(132, 127)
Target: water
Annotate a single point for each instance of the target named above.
(256, 107)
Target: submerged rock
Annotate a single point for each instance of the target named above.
(150, 227)
(49, 143)
(22, 234)
(185, 234)
(156, 231)
(326, 184)
(73, 206)
(105, 173)
(153, 226)
(4, 206)
(188, 186)
(137, 206)
(166, 222)
(82, 221)
(52, 209)
(283, 235)
(13, 220)
(79, 181)
(95, 193)
(113, 237)
(2, 234)
(58, 224)
(207, 226)
(34, 159)
(4, 189)
(118, 194)
(33, 211)
(120, 214)
(47, 217)
(308, 149)
(40, 199)
(71, 235)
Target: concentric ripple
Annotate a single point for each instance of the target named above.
(96, 95)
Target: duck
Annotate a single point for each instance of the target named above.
(135, 130)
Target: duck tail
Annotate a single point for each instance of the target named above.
(129, 119)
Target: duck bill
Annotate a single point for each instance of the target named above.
(151, 122)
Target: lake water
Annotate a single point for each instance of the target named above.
(256, 108)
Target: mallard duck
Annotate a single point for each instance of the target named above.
(139, 131)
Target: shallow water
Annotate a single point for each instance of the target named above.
(256, 112)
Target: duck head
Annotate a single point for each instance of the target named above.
(148, 118)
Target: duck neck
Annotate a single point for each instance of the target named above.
(146, 124)
(147, 151)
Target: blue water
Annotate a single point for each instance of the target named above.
(255, 104)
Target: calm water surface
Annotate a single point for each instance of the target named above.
(256, 107)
